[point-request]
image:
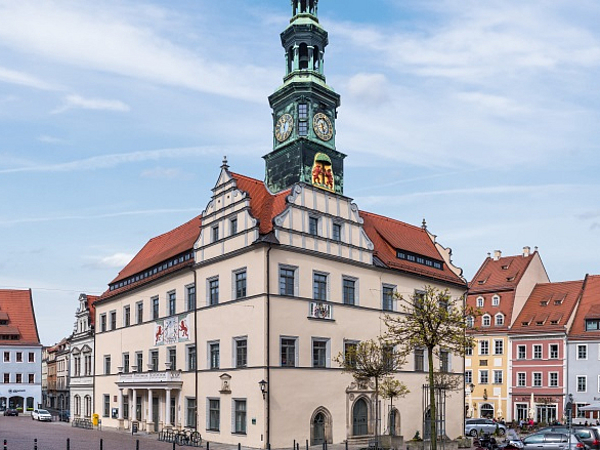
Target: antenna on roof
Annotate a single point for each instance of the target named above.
(424, 225)
(225, 165)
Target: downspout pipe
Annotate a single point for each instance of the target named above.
(269, 387)
(196, 345)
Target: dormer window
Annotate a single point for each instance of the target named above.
(486, 320)
(525, 323)
(496, 300)
(499, 319)
(215, 233)
(544, 303)
(558, 302)
(470, 321)
(510, 278)
(336, 232)
(419, 259)
(592, 325)
(480, 302)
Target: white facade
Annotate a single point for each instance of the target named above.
(257, 308)
(82, 360)
(21, 377)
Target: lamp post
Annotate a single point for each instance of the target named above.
(263, 388)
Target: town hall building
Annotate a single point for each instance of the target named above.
(230, 323)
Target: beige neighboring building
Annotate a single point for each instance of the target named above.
(230, 323)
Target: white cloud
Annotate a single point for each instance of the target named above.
(126, 41)
(118, 261)
(163, 172)
(23, 79)
(369, 88)
(97, 104)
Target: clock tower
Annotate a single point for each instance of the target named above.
(304, 110)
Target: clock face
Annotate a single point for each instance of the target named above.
(322, 126)
(284, 127)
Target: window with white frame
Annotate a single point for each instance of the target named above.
(468, 376)
(581, 383)
(537, 379)
(483, 377)
(480, 302)
(498, 347)
(212, 290)
(537, 352)
(521, 352)
(320, 286)
(313, 226)
(213, 355)
(553, 350)
(578, 412)
(388, 297)
(469, 351)
(241, 351)
(239, 416)
(289, 348)
(287, 281)
(553, 379)
(213, 415)
(582, 351)
(521, 379)
(320, 352)
(499, 319)
(349, 290)
(191, 298)
(496, 300)
(190, 417)
(239, 283)
(486, 320)
(470, 321)
(498, 377)
(484, 347)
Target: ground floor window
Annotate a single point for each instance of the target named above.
(546, 413)
(214, 414)
(191, 413)
(239, 407)
(486, 410)
(522, 411)
(126, 406)
(106, 409)
(88, 406)
(172, 410)
(138, 408)
(29, 403)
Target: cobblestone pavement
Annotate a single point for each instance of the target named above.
(20, 432)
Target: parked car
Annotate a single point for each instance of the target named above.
(41, 415)
(552, 440)
(11, 412)
(590, 436)
(64, 416)
(475, 427)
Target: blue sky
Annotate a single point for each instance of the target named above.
(482, 117)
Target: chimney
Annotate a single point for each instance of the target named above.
(526, 251)
(497, 255)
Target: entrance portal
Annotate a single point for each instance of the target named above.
(360, 414)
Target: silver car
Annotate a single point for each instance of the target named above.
(475, 427)
(41, 415)
(552, 441)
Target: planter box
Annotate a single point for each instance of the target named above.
(414, 445)
(395, 442)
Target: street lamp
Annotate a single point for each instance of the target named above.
(263, 387)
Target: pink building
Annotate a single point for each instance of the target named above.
(538, 341)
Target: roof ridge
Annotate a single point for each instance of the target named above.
(199, 216)
(391, 219)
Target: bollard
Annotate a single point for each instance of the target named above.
(173, 444)
(207, 445)
(294, 446)
(239, 446)
(35, 444)
(346, 444)
(5, 448)
(298, 446)
(324, 446)
(137, 444)
(68, 444)
(307, 444)
(101, 444)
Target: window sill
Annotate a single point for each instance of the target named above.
(320, 319)
(239, 433)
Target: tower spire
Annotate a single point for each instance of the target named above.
(304, 110)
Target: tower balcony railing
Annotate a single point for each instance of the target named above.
(150, 377)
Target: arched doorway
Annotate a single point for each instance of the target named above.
(486, 410)
(360, 418)
(321, 427)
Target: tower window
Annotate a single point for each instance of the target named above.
(303, 119)
(303, 54)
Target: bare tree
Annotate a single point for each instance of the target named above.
(372, 359)
(430, 320)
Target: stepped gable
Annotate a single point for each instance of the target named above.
(156, 251)
(589, 308)
(264, 206)
(389, 235)
(548, 308)
(16, 309)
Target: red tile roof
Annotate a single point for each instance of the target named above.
(506, 305)
(548, 302)
(500, 274)
(389, 235)
(18, 306)
(589, 308)
(264, 206)
(91, 299)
